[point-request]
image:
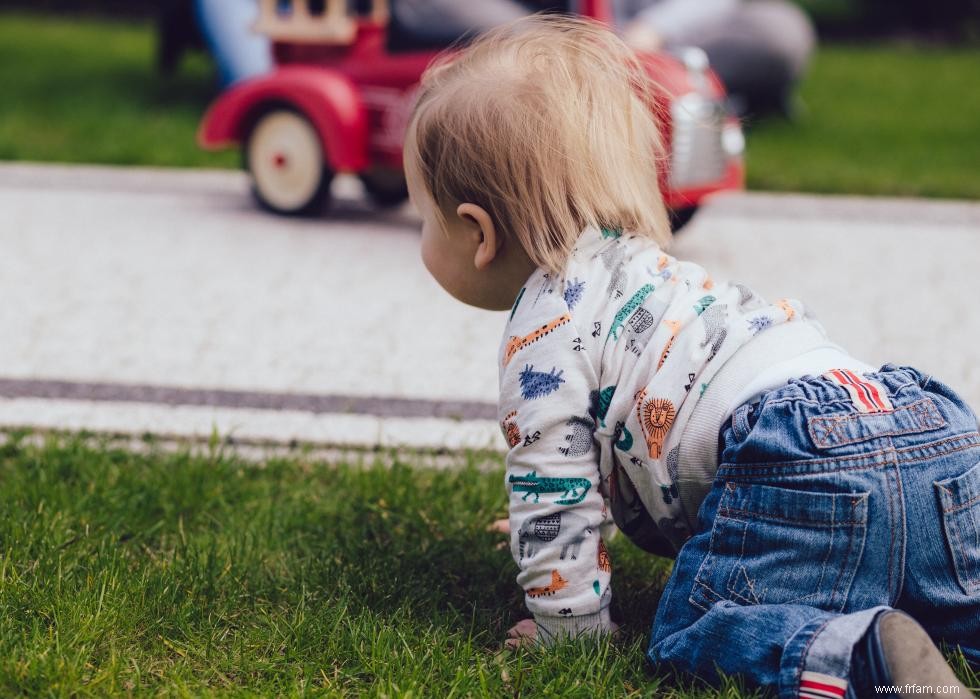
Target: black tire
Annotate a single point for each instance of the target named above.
(386, 187)
(317, 198)
(681, 217)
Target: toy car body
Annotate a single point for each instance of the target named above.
(340, 98)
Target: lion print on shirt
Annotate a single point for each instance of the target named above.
(510, 429)
(655, 417)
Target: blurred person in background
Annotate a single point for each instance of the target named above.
(437, 23)
(238, 51)
(759, 48)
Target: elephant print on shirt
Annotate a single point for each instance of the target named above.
(673, 461)
(715, 331)
(614, 258)
(643, 324)
(581, 437)
(565, 529)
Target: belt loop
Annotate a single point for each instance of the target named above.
(740, 422)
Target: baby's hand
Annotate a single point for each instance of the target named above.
(502, 526)
(523, 633)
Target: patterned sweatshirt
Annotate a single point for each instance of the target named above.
(602, 371)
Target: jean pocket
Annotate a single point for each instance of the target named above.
(829, 431)
(774, 545)
(959, 498)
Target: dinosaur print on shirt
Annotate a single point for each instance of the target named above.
(573, 490)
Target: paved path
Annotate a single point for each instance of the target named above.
(138, 300)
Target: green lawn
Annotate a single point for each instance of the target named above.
(179, 574)
(190, 575)
(896, 120)
(84, 90)
(880, 119)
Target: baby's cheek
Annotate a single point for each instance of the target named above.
(437, 267)
(426, 253)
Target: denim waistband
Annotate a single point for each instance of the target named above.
(823, 389)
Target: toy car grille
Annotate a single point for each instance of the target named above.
(698, 155)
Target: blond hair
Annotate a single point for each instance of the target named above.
(547, 124)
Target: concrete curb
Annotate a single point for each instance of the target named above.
(148, 300)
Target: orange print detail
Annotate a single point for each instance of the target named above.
(655, 417)
(557, 583)
(708, 283)
(511, 429)
(662, 262)
(516, 343)
(675, 327)
(787, 309)
(605, 565)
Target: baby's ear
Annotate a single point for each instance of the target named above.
(486, 238)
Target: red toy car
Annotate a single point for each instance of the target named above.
(340, 98)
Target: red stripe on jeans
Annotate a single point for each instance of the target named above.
(810, 684)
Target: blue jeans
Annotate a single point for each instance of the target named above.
(822, 515)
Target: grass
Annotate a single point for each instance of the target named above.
(181, 574)
(84, 91)
(883, 118)
(197, 575)
(880, 119)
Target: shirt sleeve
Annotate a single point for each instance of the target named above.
(547, 382)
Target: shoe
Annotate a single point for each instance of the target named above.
(896, 652)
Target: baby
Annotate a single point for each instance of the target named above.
(805, 496)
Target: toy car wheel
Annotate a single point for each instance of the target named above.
(385, 186)
(284, 155)
(681, 217)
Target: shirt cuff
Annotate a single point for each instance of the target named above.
(551, 628)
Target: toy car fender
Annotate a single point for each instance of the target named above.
(328, 99)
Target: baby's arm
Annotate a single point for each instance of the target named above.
(553, 472)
